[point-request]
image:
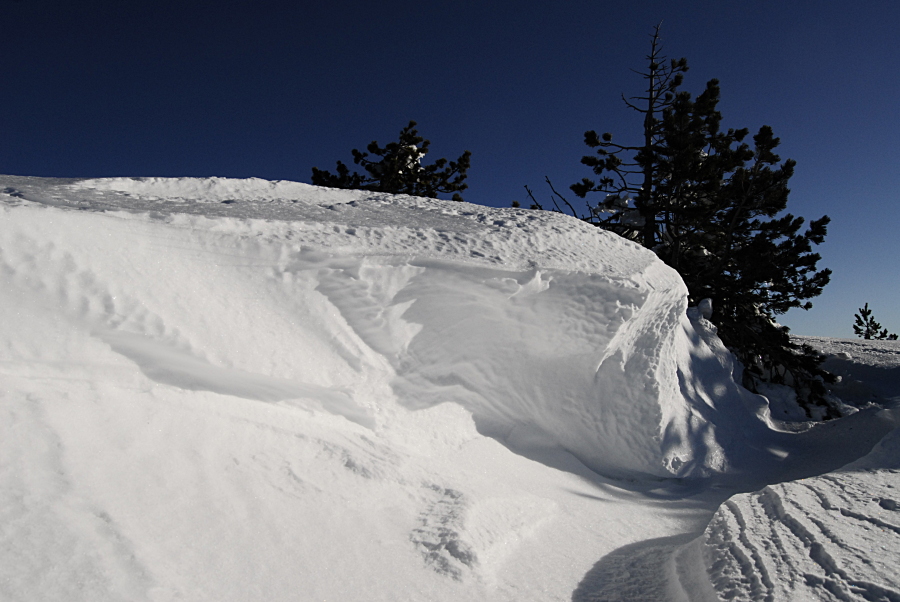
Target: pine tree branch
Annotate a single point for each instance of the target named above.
(569, 205)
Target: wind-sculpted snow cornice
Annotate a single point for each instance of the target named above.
(356, 220)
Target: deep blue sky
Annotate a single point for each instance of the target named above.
(271, 88)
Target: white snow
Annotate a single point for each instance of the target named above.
(217, 389)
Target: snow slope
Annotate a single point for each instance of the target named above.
(538, 325)
(834, 536)
(830, 537)
(239, 389)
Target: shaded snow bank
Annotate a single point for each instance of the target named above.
(831, 536)
(551, 332)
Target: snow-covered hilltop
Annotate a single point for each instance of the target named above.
(241, 389)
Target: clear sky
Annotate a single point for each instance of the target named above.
(272, 88)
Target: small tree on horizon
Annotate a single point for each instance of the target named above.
(867, 328)
(397, 168)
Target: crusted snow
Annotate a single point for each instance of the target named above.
(217, 389)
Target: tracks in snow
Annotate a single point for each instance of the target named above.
(833, 537)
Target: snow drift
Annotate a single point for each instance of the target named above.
(831, 536)
(550, 332)
(218, 389)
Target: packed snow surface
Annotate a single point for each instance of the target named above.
(217, 389)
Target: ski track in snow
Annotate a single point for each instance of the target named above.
(240, 389)
(833, 537)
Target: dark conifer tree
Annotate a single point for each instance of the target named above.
(711, 206)
(867, 328)
(397, 168)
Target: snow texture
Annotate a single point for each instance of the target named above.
(221, 389)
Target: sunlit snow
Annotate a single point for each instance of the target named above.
(217, 389)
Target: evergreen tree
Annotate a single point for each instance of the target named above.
(711, 206)
(867, 328)
(397, 168)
